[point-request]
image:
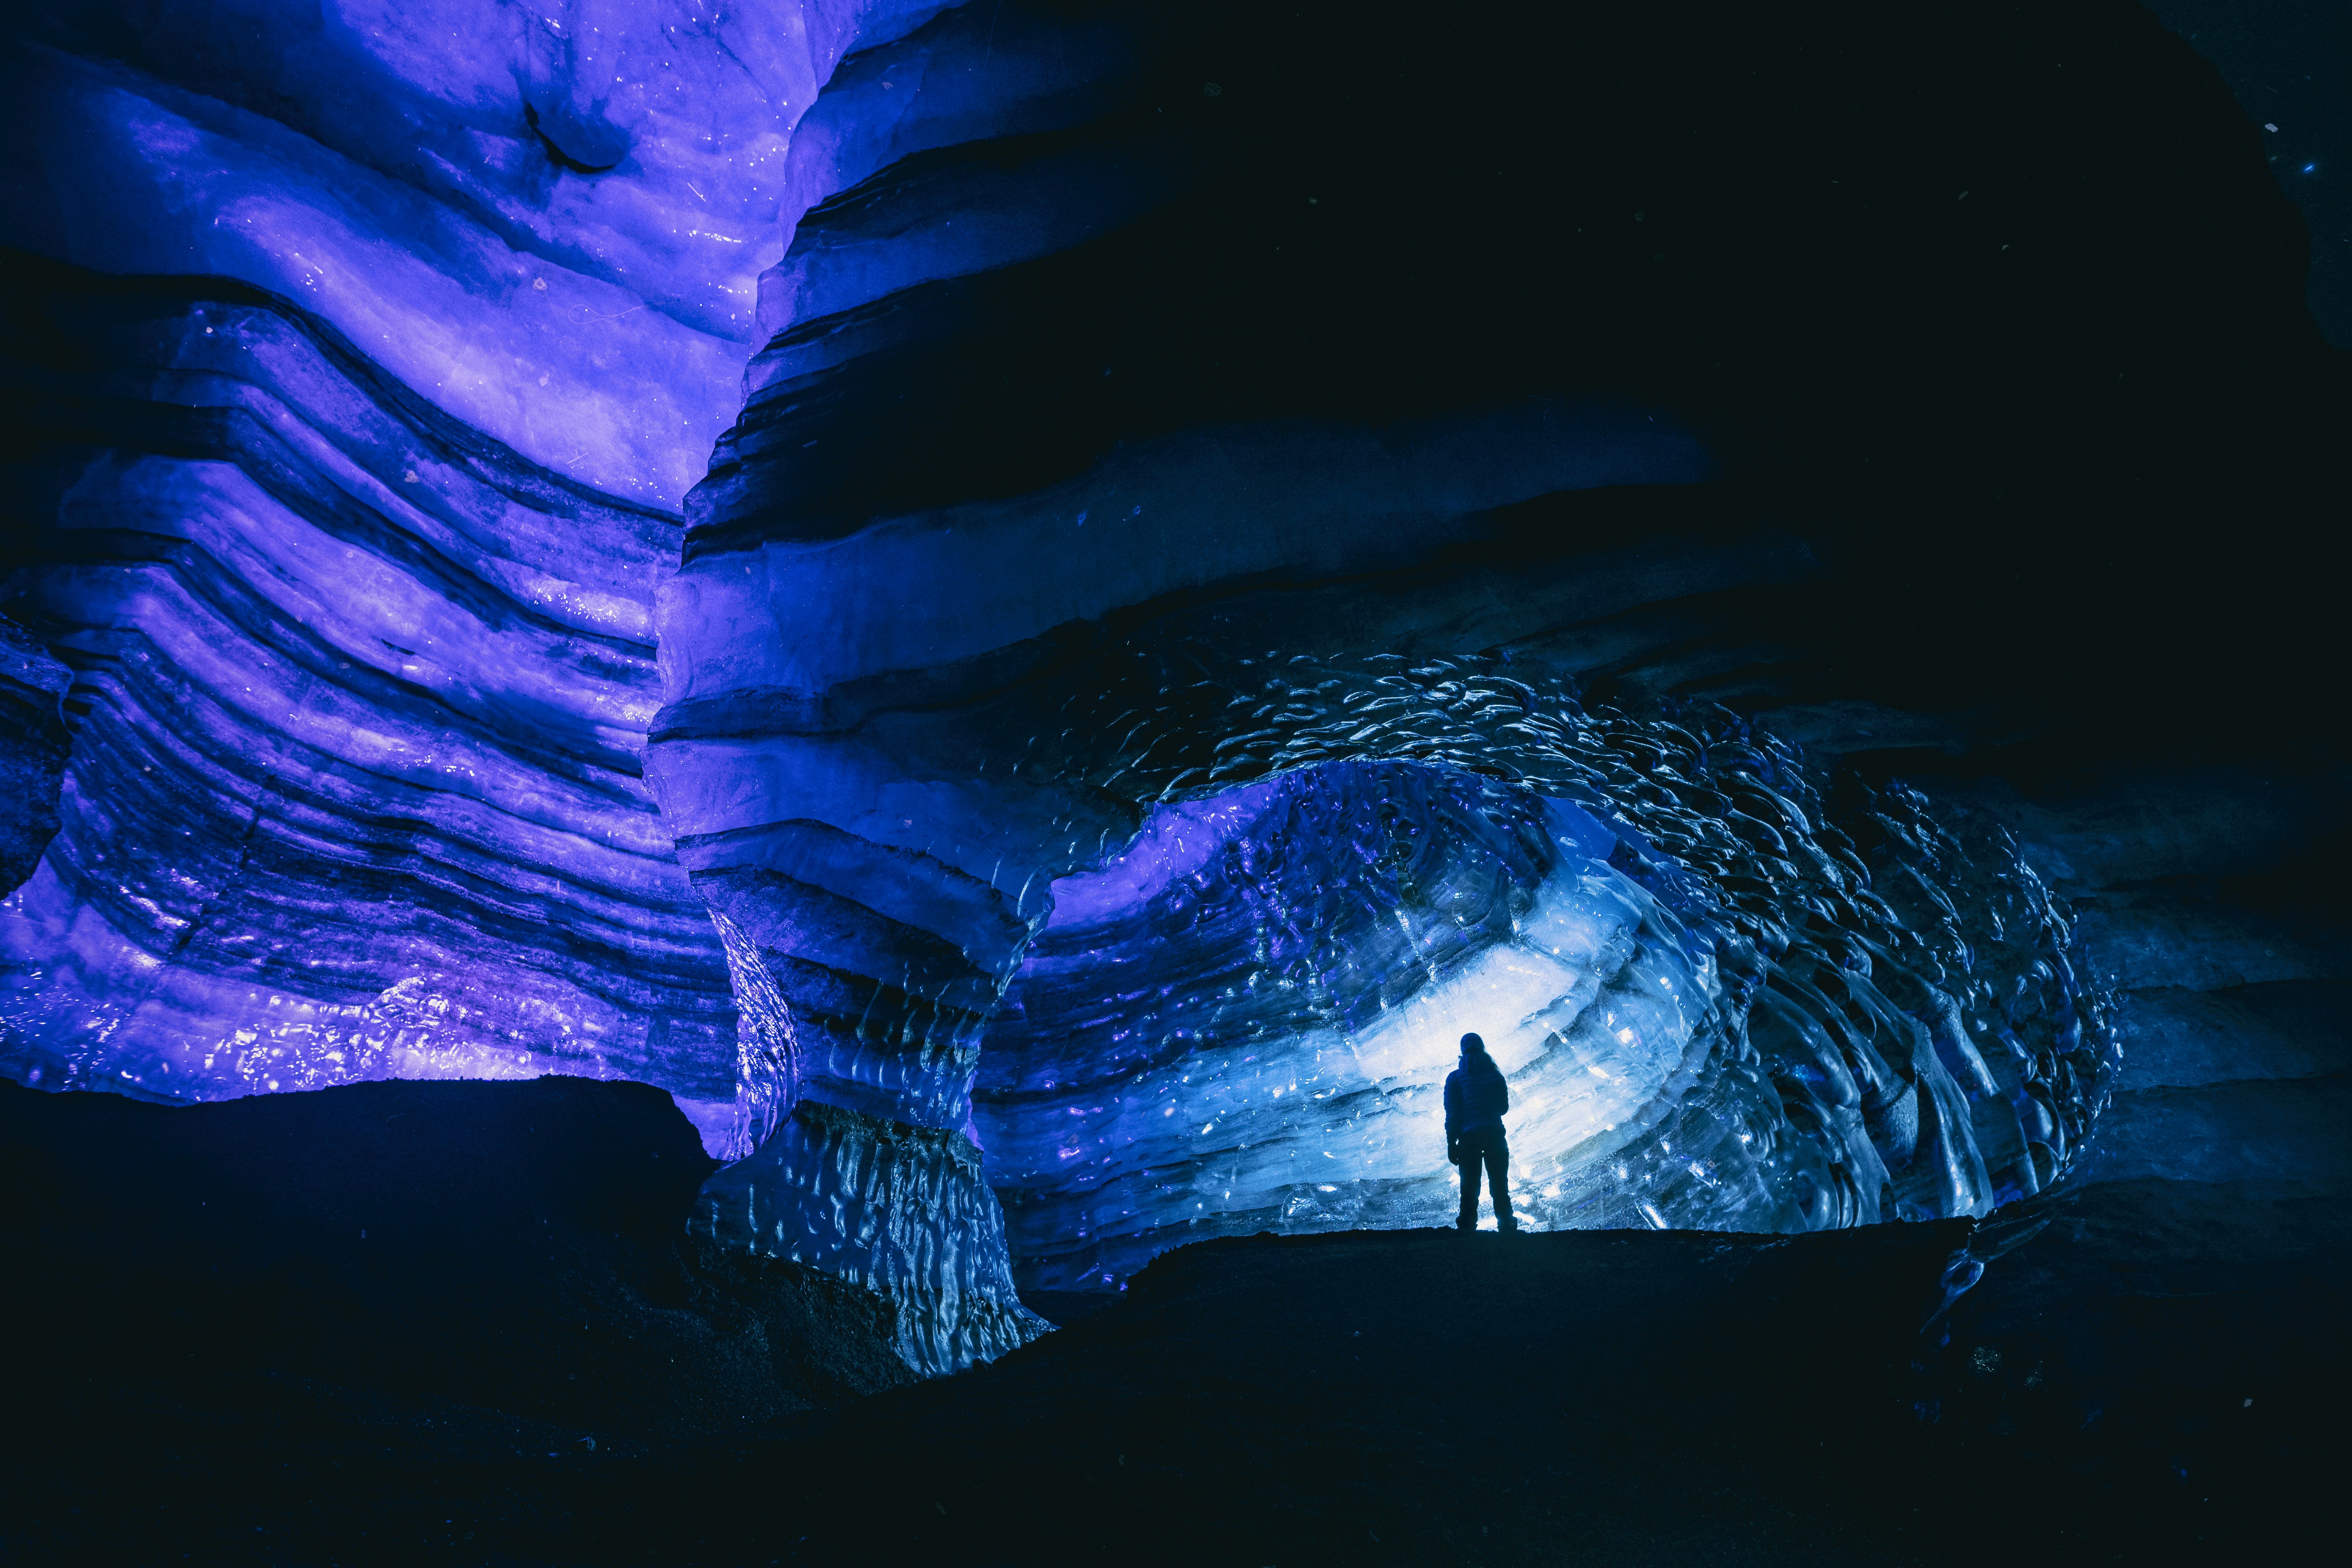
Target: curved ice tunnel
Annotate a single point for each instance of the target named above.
(1286, 1010)
(1240, 1023)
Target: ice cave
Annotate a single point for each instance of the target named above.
(1030, 609)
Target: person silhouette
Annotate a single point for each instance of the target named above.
(1476, 1099)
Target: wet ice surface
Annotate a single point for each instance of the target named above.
(1345, 936)
(549, 220)
(903, 1211)
(363, 651)
(1720, 1000)
(358, 695)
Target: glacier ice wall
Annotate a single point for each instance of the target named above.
(357, 697)
(1197, 421)
(1081, 481)
(347, 514)
(365, 353)
(368, 352)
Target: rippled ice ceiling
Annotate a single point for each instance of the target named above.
(1030, 721)
(1242, 1021)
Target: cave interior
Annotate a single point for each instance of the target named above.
(765, 758)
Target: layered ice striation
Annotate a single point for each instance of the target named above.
(549, 220)
(357, 697)
(365, 354)
(34, 746)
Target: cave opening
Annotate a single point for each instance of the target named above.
(1239, 1022)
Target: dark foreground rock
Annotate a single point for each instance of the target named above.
(2179, 1315)
(462, 1322)
(517, 1248)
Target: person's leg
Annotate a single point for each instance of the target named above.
(1499, 1170)
(1469, 1169)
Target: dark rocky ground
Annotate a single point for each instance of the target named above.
(524, 1361)
(2179, 1316)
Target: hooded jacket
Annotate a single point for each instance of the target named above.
(1475, 1096)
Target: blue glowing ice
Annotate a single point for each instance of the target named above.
(1284, 1002)
(1241, 1022)
(434, 314)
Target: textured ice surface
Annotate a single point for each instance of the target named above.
(357, 703)
(33, 749)
(902, 1210)
(1709, 1013)
(425, 724)
(353, 522)
(1286, 1001)
(549, 219)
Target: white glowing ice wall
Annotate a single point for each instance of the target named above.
(1245, 1021)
